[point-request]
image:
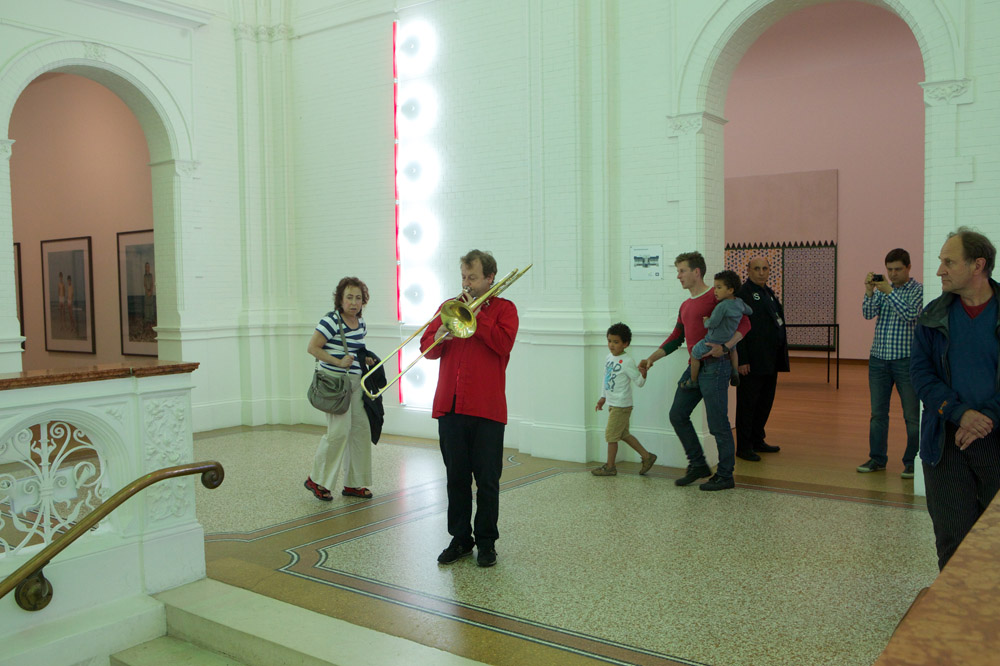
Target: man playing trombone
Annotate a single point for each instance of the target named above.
(470, 405)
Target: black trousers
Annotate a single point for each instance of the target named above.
(472, 447)
(754, 398)
(960, 488)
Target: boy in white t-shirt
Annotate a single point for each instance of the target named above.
(620, 371)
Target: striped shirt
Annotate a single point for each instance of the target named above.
(897, 316)
(329, 328)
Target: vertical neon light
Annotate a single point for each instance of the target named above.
(395, 198)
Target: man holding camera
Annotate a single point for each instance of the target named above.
(896, 300)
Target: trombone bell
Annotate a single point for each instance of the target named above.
(457, 317)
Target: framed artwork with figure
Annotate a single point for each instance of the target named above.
(68, 295)
(137, 292)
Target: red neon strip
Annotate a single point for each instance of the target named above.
(395, 166)
(395, 196)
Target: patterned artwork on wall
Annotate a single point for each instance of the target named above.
(737, 258)
(804, 277)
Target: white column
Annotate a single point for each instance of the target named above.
(10, 324)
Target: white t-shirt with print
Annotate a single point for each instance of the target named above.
(619, 374)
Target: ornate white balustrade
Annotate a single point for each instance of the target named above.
(69, 440)
(51, 475)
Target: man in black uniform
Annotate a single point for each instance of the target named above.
(763, 353)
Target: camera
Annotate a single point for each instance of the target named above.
(878, 277)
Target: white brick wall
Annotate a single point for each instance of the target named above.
(569, 130)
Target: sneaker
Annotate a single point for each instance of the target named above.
(693, 474)
(718, 483)
(871, 466)
(487, 556)
(647, 463)
(604, 470)
(455, 551)
(907, 472)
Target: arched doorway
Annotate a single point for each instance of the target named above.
(171, 168)
(81, 193)
(697, 127)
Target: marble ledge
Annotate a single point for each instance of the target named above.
(957, 619)
(91, 373)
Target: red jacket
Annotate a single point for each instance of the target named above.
(473, 370)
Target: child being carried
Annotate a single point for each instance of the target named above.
(721, 326)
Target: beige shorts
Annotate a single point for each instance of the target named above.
(617, 429)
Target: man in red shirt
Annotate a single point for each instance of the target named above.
(713, 380)
(471, 408)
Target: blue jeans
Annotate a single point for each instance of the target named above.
(881, 376)
(713, 387)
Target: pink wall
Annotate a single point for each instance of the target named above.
(79, 167)
(835, 86)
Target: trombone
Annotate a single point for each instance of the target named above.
(458, 317)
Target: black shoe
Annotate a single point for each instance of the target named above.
(748, 455)
(718, 483)
(693, 474)
(763, 447)
(871, 466)
(455, 551)
(487, 556)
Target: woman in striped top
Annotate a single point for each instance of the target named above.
(347, 442)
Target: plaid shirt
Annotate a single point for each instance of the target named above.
(897, 316)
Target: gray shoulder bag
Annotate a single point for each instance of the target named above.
(331, 392)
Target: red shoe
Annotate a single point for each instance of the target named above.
(319, 491)
(356, 492)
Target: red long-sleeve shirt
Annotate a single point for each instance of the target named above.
(690, 326)
(473, 372)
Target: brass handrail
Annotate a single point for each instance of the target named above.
(34, 591)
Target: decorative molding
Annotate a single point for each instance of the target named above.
(6, 148)
(692, 123)
(263, 33)
(187, 168)
(117, 412)
(244, 31)
(94, 51)
(166, 441)
(941, 93)
(282, 31)
(182, 168)
(165, 425)
(161, 11)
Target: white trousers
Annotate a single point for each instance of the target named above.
(347, 443)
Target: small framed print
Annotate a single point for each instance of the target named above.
(68, 293)
(137, 292)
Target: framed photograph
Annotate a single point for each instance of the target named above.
(68, 295)
(18, 296)
(137, 292)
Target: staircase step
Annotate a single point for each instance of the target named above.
(168, 651)
(260, 631)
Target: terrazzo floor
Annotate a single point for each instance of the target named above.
(622, 570)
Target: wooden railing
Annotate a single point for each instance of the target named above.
(34, 591)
